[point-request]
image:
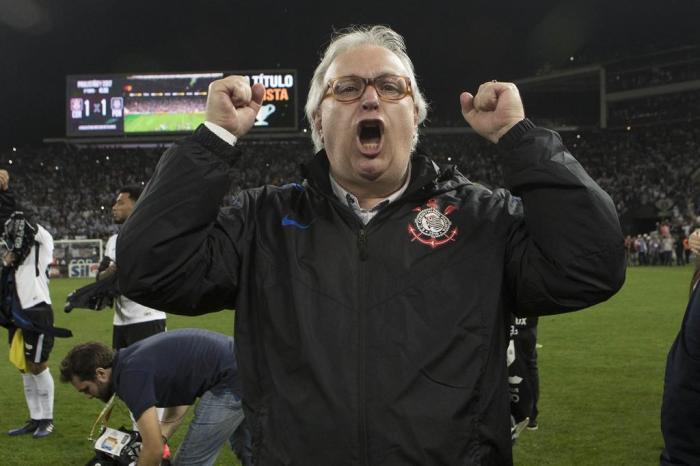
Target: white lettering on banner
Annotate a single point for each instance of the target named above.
(96, 127)
(273, 80)
(514, 391)
(82, 268)
(94, 83)
(510, 352)
(264, 112)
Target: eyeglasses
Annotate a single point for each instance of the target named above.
(351, 88)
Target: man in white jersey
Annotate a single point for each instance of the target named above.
(132, 321)
(25, 309)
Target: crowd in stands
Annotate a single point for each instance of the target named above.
(648, 166)
(71, 191)
(650, 110)
(686, 69)
(667, 82)
(141, 105)
(650, 172)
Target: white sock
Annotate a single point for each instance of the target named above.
(30, 394)
(44, 386)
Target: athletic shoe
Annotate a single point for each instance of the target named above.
(45, 428)
(28, 428)
(532, 425)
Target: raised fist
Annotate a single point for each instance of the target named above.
(233, 104)
(494, 110)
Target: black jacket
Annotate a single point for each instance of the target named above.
(680, 411)
(377, 344)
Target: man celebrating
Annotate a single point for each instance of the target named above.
(373, 298)
(132, 321)
(171, 370)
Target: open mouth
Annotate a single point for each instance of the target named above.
(369, 135)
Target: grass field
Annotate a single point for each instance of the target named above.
(159, 122)
(601, 380)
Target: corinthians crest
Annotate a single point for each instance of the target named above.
(432, 227)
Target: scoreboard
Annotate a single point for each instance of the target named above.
(140, 104)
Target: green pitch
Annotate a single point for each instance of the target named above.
(162, 122)
(601, 375)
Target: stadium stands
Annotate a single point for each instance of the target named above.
(650, 172)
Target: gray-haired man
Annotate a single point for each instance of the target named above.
(373, 298)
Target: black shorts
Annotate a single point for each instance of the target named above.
(37, 346)
(126, 335)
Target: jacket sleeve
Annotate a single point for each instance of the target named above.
(566, 250)
(680, 423)
(177, 252)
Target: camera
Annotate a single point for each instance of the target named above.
(116, 447)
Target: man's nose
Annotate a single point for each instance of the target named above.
(370, 98)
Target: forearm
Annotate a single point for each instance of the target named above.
(172, 418)
(168, 240)
(152, 446)
(562, 202)
(106, 272)
(569, 250)
(150, 455)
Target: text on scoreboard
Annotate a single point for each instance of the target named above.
(135, 104)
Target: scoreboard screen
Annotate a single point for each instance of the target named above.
(140, 104)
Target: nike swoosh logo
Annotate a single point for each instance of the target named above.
(288, 222)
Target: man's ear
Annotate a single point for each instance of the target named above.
(415, 116)
(318, 125)
(101, 374)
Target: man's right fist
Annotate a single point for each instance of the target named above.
(4, 180)
(233, 104)
(694, 241)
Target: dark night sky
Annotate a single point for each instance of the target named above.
(454, 45)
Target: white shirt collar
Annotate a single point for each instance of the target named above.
(365, 215)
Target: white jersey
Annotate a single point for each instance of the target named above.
(126, 311)
(31, 276)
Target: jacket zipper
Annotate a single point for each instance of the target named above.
(362, 345)
(362, 244)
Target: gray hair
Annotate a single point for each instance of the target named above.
(351, 38)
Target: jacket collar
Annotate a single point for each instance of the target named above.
(426, 175)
